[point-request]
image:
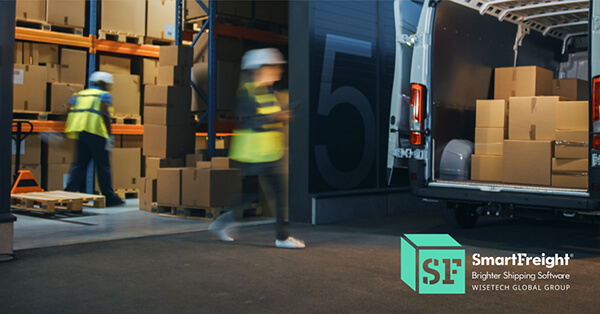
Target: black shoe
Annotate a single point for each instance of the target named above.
(114, 202)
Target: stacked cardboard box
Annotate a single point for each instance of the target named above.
(31, 10)
(490, 130)
(160, 25)
(60, 154)
(30, 156)
(570, 165)
(209, 184)
(168, 128)
(536, 119)
(127, 17)
(126, 88)
(69, 13)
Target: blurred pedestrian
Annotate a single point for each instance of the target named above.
(89, 121)
(259, 143)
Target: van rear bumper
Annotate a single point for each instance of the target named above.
(540, 201)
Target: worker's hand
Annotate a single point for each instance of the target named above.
(110, 143)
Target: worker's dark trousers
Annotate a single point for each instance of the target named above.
(92, 147)
(268, 174)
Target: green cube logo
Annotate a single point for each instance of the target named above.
(432, 264)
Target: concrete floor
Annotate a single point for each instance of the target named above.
(33, 230)
(351, 267)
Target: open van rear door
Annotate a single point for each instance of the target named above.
(406, 17)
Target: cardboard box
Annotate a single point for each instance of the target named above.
(57, 176)
(156, 95)
(126, 166)
(223, 163)
(175, 56)
(60, 93)
(147, 193)
(572, 115)
(31, 10)
(486, 168)
(66, 12)
(115, 65)
(210, 187)
(53, 73)
(130, 141)
(532, 118)
(158, 24)
(203, 165)
(18, 52)
(174, 76)
(126, 94)
(527, 162)
(31, 53)
(191, 160)
(569, 166)
(30, 151)
(61, 150)
(47, 54)
(73, 66)
(570, 181)
(172, 115)
(168, 186)
(489, 141)
(29, 88)
(124, 16)
(168, 142)
(154, 163)
(572, 89)
(524, 81)
(572, 144)
(150, 76)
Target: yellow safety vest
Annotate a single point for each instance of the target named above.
(86, 116)
(267, 145)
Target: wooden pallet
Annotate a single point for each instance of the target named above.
(127, 193)
(49, 202)
(127, 119)
(39, 115)
(45, 26)
(199, 213)
(121, 37)
(158, 41)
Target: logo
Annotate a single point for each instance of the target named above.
(432, 264)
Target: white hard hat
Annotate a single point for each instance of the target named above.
(101, 77)
(254, 59)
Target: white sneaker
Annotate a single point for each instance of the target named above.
(221, 233)
(290, 243)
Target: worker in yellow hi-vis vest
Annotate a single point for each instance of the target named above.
(259, 142)
(89, 122)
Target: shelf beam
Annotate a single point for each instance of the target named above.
(250, 34)
(126, 48)
(36, 35)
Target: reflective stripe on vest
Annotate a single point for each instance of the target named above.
(86, 116)
(251, 146)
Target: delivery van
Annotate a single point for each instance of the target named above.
(495, 108)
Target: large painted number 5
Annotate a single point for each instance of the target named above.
(329, 99)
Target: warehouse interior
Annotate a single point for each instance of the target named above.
(402, 118)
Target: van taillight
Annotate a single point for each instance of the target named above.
(595, 111)
(417, 109)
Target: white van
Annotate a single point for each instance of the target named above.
(448, 64)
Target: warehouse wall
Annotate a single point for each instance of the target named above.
(341, 71)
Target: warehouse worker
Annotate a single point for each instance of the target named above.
(259, 142)
(89, 122)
